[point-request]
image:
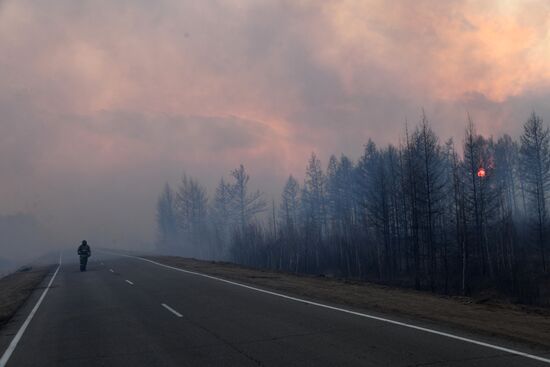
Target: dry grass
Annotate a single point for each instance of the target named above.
(517, 323)
(17, 287)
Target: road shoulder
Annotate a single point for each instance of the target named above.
(19, 292)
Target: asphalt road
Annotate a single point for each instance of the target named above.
(126, 312)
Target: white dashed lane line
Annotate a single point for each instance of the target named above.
(129, 282)
(111, 270)
(171, 310)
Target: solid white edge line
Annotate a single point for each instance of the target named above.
(129, 282)
(171, 310)
(11, 348)
(378, 318)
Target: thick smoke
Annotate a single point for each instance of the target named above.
(102, 102)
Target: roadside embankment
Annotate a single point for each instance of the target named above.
(15, 288)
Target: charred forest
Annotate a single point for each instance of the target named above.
(468, 218)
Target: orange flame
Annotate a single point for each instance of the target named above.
(481, 172)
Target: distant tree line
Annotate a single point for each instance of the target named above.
(425, 214)
(190, 224)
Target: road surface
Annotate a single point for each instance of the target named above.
(127, 312)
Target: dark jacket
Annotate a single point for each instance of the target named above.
(84, 250)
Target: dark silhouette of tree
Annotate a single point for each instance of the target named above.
(289, 212)
(314, 210)
(221, 218)
(535, 170)
(430, 191)
(245, 204)
(166, 220)
(191, 205)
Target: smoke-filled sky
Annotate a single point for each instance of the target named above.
(101, 102)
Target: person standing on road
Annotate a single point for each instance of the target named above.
(84, 252)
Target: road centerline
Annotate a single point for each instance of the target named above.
(171, 310)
